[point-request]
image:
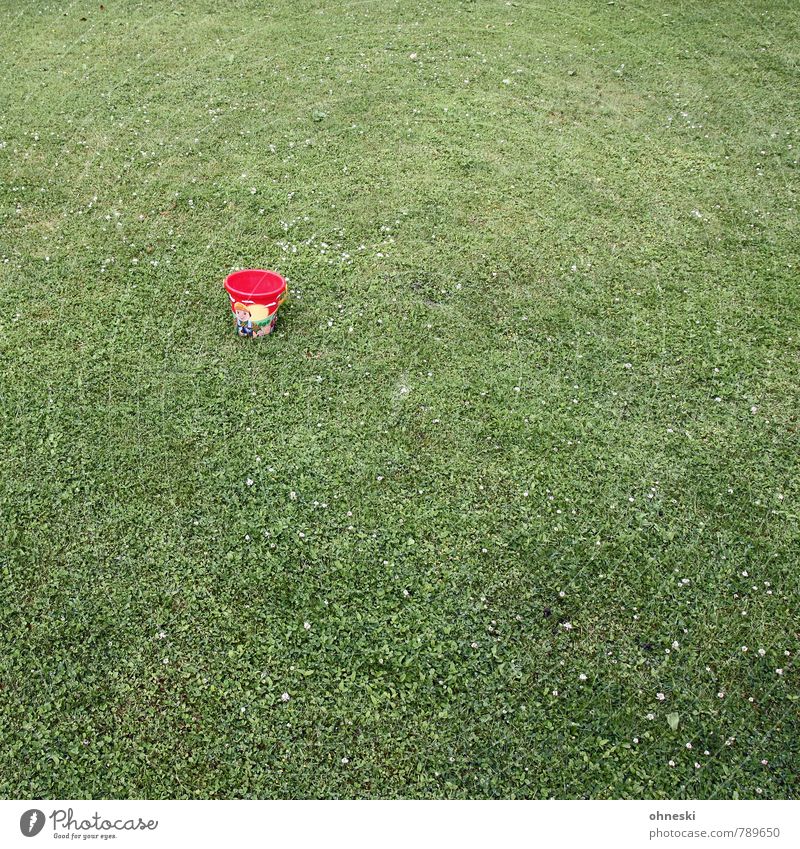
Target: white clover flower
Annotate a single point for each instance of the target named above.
(555, 692)
(285, 697)
(779, 672)
(660, 697)
(688, 745)
(307, 625)
(568, 626)
(761, 652)
(581, 677)
(249, 481)
(671, 763)
(345, 760)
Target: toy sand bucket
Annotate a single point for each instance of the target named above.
(255, 297)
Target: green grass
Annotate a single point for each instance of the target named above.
(545, 372)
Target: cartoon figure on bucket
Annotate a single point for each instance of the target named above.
(244, 321)
(253, 320)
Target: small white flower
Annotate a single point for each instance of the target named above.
(651, 716)
(506, 81)
(285, 697)
(345, 760)
(412, 55)
(761, 652)
(688, 745)
(671, 763)
(779, 672)
(555, 692)
(676, 645)
(293, 496)
(249, 481)
(581, 677)
(696, 765)
(660, 697)
(721, 694)
(764, 761)
(165, 661)
(635, 739)
(744, 648)
(307, 625)
(161, 635)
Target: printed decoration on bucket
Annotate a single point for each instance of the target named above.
(256, 295)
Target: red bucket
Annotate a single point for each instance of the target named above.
(255, 297)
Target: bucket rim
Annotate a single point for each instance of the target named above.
(250, 293)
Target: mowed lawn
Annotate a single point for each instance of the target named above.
(508, 504)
